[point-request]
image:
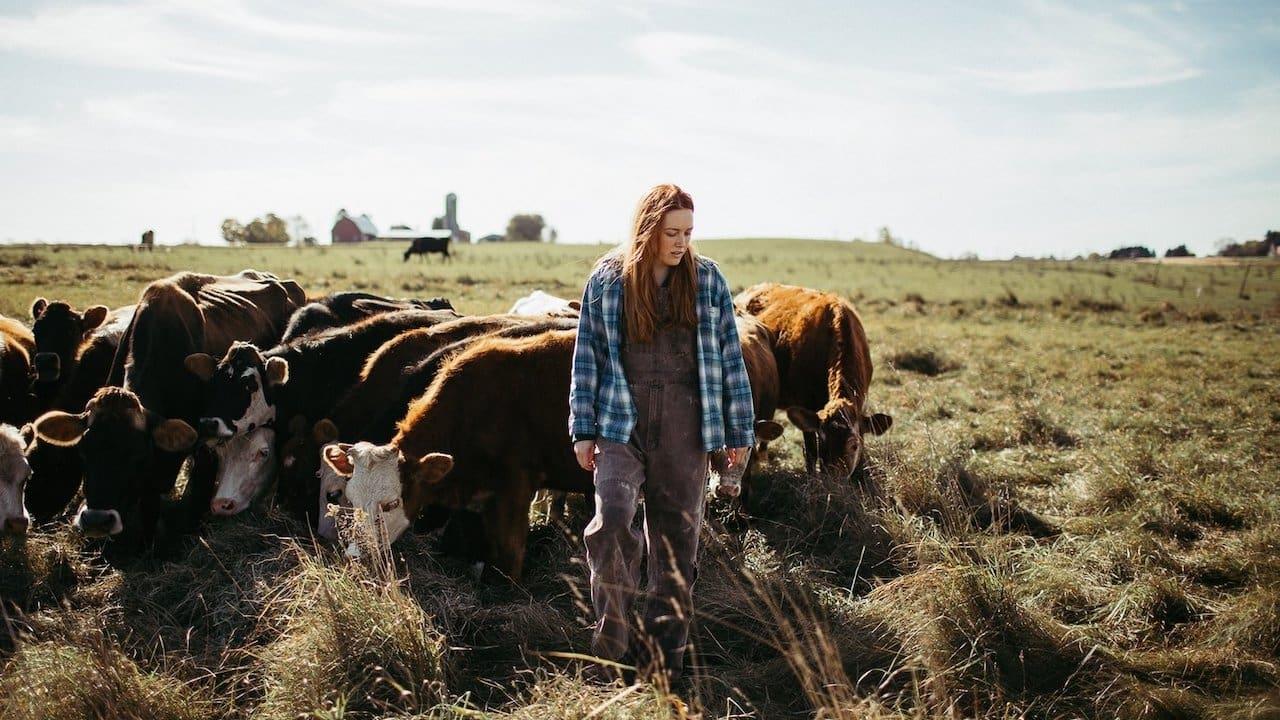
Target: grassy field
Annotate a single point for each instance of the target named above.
(1074, 515)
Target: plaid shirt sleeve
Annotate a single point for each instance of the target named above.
(584, 383)
(739, 410)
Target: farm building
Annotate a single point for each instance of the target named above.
(352, 229)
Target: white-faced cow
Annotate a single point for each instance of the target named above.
(489, 431)
(824, 364)
(14, 472)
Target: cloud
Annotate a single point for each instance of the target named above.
(1056, 48)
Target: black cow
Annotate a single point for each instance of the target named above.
(427, 245)
(297, 382)
(345, 308)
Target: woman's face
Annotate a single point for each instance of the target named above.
(673, 241)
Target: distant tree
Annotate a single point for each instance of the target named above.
(1180, 251)
(233, 232)
(886, 237)
(437, 224)
(525, 228)
(1131, 252)
(552, 235)
(269, 230)
(1248, 248)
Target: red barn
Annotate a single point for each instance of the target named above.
(352, 228)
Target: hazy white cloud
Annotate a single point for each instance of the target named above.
(1057, 47)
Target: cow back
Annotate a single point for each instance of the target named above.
(17, 347)
(819, 344)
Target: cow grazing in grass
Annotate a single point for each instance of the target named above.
(14, 472)
(246, 464)
(426, 246)
(824, 364)
(393, 377)
(17, 346)
(489, 431)
(345, 308)
(133, 438)
(762, 370)
(294, 384)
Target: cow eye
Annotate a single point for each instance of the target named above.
(263, 452)
(389, 505)
(334, 497)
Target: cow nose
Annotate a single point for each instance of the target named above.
(48, 367)
(212, 427)
(16, 525)
(96, 523)
(224, 506)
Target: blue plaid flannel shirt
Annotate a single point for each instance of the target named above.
(600, 403)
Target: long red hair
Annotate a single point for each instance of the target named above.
(640, 306)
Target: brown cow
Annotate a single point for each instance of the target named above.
(134, 438)
(824, 364)
(17, 346)
(762, 370)
(393, 377)
(488, 431)
(14, 472)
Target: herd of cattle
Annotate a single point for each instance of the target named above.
(373, 412)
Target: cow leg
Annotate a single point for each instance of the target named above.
(506, 527)
(811, 452)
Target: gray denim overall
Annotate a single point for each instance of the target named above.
(665, 461)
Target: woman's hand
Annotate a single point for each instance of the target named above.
(737, 455)
(586, 452)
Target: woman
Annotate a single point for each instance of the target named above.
(658, 383)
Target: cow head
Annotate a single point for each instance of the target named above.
(239, 390)
(730, 484)
(839, 429)
(388, 486)
(14, 473)
(300, 464)
(117, 439)
(245, 465)
(59, 330)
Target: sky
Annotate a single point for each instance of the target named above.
(1028, 127)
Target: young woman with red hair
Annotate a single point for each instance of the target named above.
(658, 384)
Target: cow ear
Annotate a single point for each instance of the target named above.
(876, 424)
(93, 317)
(336, 457)
(430, 469)
(804, 418)
(324, 431)
(768, 430)
(575, 305)
(61, 428)
(277, 371)
(37, 308)
(174, 436)
(201, 365)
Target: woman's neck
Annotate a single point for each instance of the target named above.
(660, 273)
